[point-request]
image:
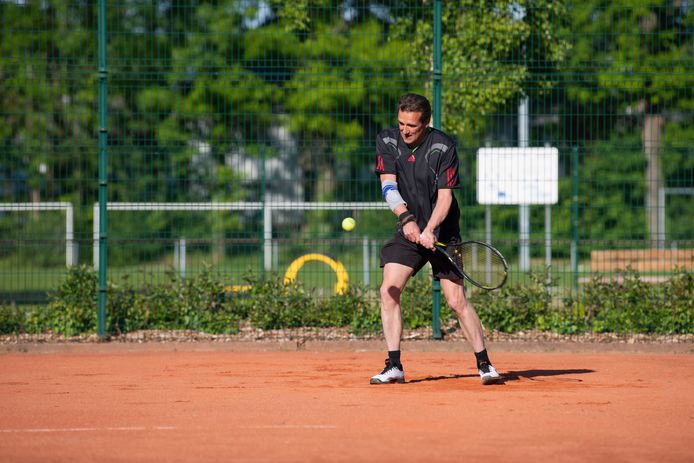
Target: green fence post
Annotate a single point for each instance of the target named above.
(103, 178)
(436, 312)
(436, 284)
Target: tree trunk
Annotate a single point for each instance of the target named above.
(652, 133)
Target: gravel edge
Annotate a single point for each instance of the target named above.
(340, 339)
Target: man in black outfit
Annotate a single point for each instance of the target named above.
(418, 169)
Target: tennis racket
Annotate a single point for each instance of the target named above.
(479, 263)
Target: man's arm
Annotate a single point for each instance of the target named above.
(409, 229)
(443, 205)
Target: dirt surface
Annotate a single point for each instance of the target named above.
(192, 402)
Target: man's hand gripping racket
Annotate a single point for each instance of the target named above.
(479, 263)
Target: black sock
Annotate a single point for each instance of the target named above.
(394, 357)
(482, 358)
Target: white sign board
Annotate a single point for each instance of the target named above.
(520, 176)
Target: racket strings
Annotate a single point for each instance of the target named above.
(481, 264)
(457, 257)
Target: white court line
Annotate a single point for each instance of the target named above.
(291, 426)
(110, 429)
(157, 428)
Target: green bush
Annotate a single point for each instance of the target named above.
(416, 303)
(201, 303)
(274, 304)
(121, 313)
(72, 308)
(356, 308)
(365, 311)
(676, 312)
(516, 308)
(11, 319)
(636, 306)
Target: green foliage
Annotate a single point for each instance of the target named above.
(676, 309)
(274, 304)
(638, 53)
(11, 319)
(640, 62)
(612, 191)
(356, 308)
(515, 308)
(199, 303)
(202, 304)
(635, 306)
(192, 83)
(492, 53)
(366, 318)
(197, 95)
(416, 302)
(72, 307)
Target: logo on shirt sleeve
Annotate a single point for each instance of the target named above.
(450, 177)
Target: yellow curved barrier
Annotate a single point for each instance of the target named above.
(338, 268)
(237, 288)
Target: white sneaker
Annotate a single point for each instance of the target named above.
(390, 374)
(488, 374)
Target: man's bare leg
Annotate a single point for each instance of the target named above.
(454, 291)
(395, 277)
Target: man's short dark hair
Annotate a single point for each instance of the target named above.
(414, 103)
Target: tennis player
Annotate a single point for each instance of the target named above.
(418, 169)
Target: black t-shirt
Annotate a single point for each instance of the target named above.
(433, 165)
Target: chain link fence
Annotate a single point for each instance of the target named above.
(230, 138)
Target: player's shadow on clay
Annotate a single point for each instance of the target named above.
(440, 378)
(506, 376)
(537, 375)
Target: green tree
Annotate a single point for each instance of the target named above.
(47, 77)
(631, 66)
(335, 108)
(493, 53)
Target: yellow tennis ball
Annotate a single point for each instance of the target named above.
(348, 224)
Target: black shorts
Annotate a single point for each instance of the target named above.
(401, 251)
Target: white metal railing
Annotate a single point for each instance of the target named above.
(70, 248)
(267, 209)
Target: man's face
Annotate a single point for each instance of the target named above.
(412, 129)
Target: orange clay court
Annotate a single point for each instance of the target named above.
(186, 405)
